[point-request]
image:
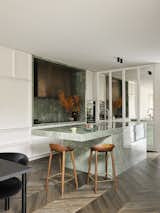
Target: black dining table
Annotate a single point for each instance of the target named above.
(9, 169)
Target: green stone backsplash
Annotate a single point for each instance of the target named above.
(49, 110)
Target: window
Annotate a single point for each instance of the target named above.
(146, 94)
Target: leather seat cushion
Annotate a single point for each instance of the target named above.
(60, 148)
(9, 187)
(103, 147)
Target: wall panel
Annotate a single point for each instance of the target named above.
(6, 62)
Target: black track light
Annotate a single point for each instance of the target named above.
(119, 60)
(149, 73)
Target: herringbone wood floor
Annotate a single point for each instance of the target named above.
(139, 192)
(144, 193)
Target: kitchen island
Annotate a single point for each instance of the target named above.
(129, 140)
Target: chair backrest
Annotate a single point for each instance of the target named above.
(15, 157)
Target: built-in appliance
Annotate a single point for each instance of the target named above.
(91, 111)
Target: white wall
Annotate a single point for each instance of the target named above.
(15, 98)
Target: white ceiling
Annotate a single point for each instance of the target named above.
(84, 33)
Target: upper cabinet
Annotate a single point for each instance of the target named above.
(6, 62)
(16, 88)
(15, 64)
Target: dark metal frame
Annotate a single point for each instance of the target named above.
(24, 196)
(24, 193)
(6, 204)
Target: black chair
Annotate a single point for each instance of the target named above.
(13, 185)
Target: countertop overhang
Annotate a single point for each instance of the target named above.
(82, 134)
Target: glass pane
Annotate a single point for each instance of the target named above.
(146, 95)
(107, 97)
(91, 111)
(101, 110)
(102, 96)
(131, 94)
(117, 94)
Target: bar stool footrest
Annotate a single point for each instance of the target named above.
(101, 181)
(70, 176)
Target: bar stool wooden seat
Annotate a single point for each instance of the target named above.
(107, 149)
(61, 149)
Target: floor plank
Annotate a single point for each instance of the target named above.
(139, 192)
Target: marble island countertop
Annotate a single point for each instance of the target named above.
(82, 133)
(129, 140)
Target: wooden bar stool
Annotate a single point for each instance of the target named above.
(61, 149)
(107, 149)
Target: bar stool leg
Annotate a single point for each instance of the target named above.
(60, 162)
(74, 169)
(63, 172)
(96, 171)
(89, 166)
(106, 159)
(114, 172)
(49, 169)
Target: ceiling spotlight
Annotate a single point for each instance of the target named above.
(149, 73)
(119, 60)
